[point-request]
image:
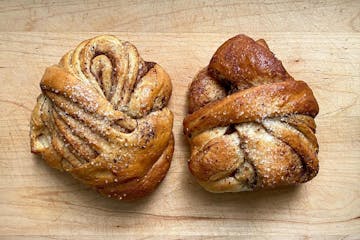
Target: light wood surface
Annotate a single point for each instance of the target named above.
(36, 200)
(181, 16)
(318, 42)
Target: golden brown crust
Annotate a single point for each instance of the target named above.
(245, 63)
(251, 125)
(102, 117)
(257, 103)
(205, 89)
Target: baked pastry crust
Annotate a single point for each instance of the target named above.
(250, 124)
(102, 117)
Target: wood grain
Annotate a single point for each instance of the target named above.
(181, 16)
(40, 202)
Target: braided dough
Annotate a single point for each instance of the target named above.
(251, 125)
(102, 117)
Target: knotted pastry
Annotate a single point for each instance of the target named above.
(102, 117)
(251, 125)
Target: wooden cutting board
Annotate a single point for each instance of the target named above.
(36, 200)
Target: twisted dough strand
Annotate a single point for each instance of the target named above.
(251, 125)
(102, 117)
